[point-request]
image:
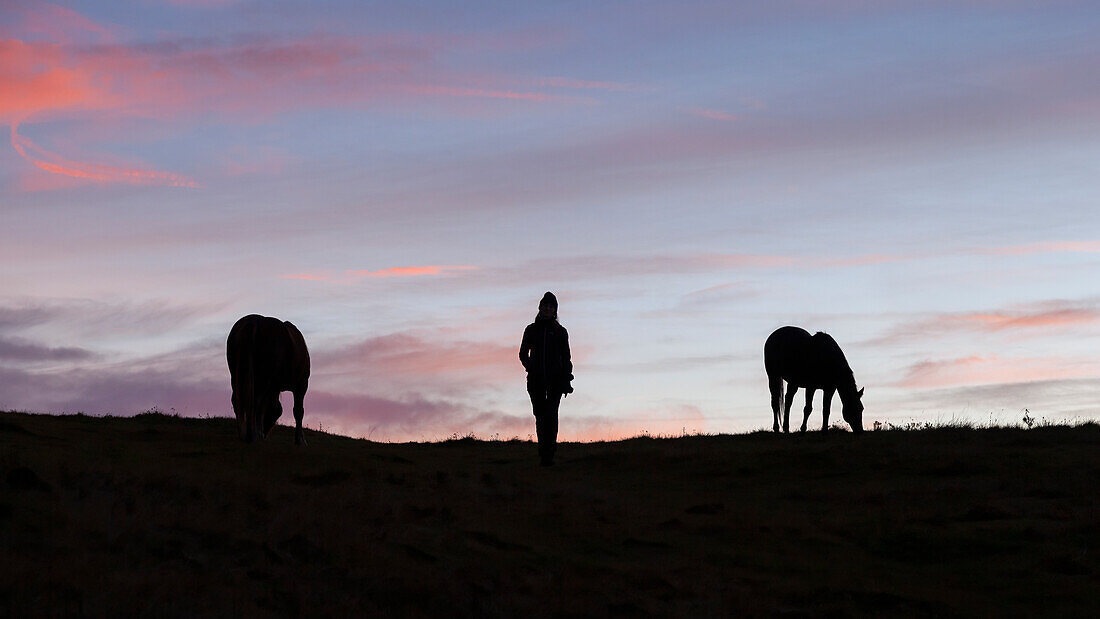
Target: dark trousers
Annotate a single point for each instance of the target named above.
(544, 402)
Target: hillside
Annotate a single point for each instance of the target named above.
(157, 515)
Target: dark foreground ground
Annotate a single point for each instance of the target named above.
(157, 515)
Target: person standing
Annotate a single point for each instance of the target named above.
(544, 353)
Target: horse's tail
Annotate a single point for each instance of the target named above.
(775, 385)
(253, 406)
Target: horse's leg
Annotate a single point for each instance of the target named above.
(791, 390)
(299, 411)
(251, 404)
(259, 411)
(809, 407)
(826, 404)
(775, 384)
(240, 411)
(250, 424)
(271, 415)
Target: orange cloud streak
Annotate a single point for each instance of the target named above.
(90, 171)
(413, 271)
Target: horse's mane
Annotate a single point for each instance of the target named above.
(834, 356)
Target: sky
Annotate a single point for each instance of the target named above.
(403, 181)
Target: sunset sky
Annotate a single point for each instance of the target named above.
(404, 181)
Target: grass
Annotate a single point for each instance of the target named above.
(167, 516)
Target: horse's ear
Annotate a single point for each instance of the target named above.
(860, 394)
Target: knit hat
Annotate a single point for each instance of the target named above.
(549, 299)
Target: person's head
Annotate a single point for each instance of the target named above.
(548, 306)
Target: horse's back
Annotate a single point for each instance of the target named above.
(784, 349)
(299, 354)
(801, 359)
(272, 352)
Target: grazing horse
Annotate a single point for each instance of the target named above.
(266, 357)
(814, 362)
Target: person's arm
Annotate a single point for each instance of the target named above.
(525, 348)
(566, 362)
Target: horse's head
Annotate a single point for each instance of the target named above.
(271, 414)
(853, 411)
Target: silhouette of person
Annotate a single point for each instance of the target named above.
(545, 355)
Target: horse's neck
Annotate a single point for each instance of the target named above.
(846, 387)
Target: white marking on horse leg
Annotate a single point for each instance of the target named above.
(775, 386)
(789, 401)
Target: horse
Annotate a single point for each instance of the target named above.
(266, 357)
(814, 362)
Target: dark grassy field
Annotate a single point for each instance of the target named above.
(157, 515)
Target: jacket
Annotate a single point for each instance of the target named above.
(544, 353)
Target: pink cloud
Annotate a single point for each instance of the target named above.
(33, 79)
(243, 75)
(1053, 318)
(248, 77)
(1038, 318)
(977, 370)
(1045, 247)
(424, 355)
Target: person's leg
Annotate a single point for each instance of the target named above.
(538, 407)
(548, 434)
